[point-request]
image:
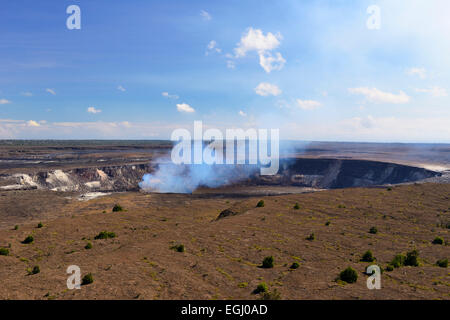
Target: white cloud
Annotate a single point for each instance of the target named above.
(27, 94)
(434, 91)
(120, 88)
(265, 89)
(4, 101)
(32, 123)
(205, 15)
(231, 64)
(184, 107)
(51, 91)
(242, 113)
(93, 110)
(308, 104)
(255, 40)
(212, 46)
(170, 96)
(421, 72)
(378, 96)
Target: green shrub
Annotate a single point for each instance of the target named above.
(117, 208)
(295, 265)
(438, 240)
(243, 285)
(268, 262)
(296, 206)
(311, 237)
(262, 287)
(398, 261)
(367, 256)
(4, 252)
(40, 225)
(35, 270)
(16, 227)
(271, 295)
(87, 279)
(88, 246)
(442, 263)
(389, 267)
(105, 235)
(373, 230)
(349, 275)
(260, 204)
(327, 223)
(412, 258)
(389, 189)
(28, 240)
(178, 248)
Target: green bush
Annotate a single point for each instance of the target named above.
(105, 235)
(87, 279)
(271, 295)
(438, 240)
(398, 261)
(40, 225)
(16, 227)
(262, 287)
(4, 252)
(28, 240)
(295, 265)
(35, 270)
(260, 204)
(327, 223)
(367, 256)
(311, 237)
(178, 248)
(412, 258)
(268, 262)
(373, 230)
(88, 246)
(349, 275)
(296, 206)
(117, 208)
(389, 267)
(442, 263)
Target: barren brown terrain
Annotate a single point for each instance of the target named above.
(222, 257)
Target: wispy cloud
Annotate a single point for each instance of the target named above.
(434, 91)
(377, 96)
(27, 94)
(308, 104)
(4, 101)
(267, 89)
(120, 88)
(184, 107)
(170, 96)
(51, 91)
(212, 47)
(242, 113)
(32, 123)
(421, 72)
(205, 15)
(93, 110)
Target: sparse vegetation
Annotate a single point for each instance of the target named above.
(16, 227)
(327, 223)
(88, 246)
(295, 265)
(443, 263)
(311, 237)
(40, 225)
(105, 235)
(296, 206)
(367, 256)
(87, 279)
(438, 240)
(117, 208)
(412, 258)
(4, 252)
(389, 267)
(34, 270)
(271, 295)
(349, 275)
(262, 287)
(373, 230)
(260, 204)
(268, 262)
(243, 285)
(178, 247)
(398, 261)
(28, 239)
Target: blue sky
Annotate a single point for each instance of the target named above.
(140, 69)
